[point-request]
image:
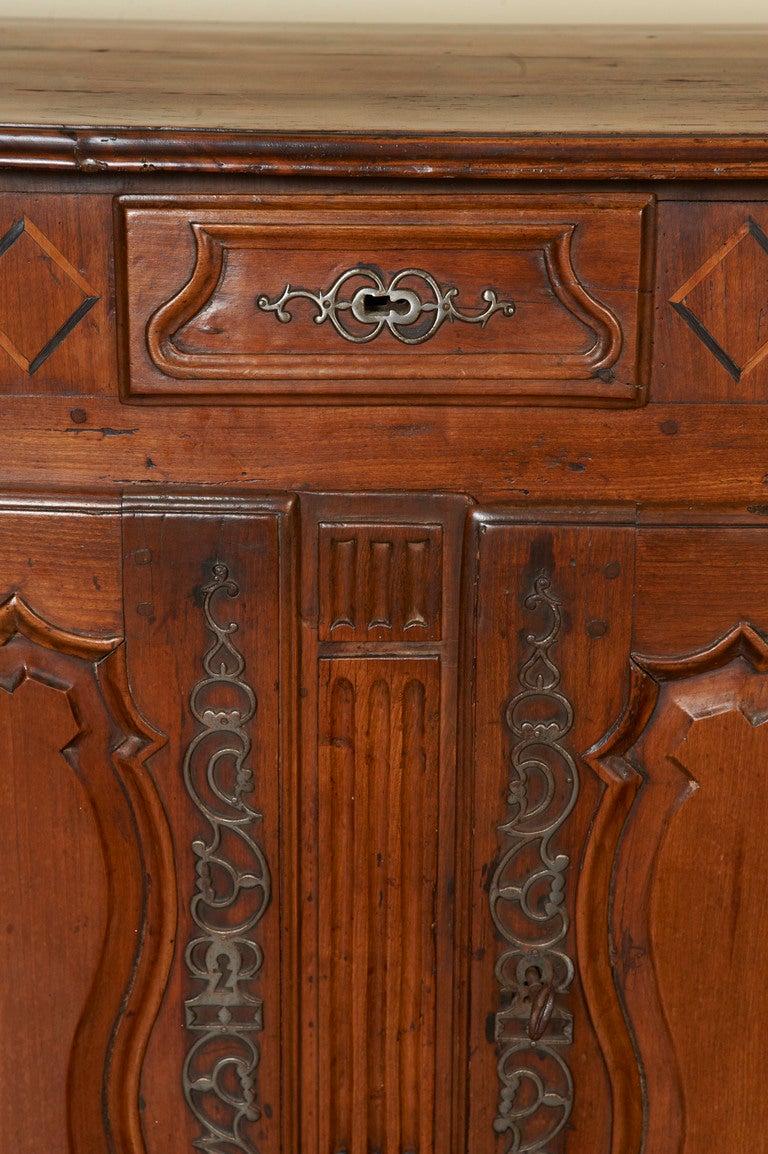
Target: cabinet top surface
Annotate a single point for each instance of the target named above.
(524, 88)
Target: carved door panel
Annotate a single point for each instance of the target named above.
(231, 901)
(258, 894)
(617, 866)
(146, 745)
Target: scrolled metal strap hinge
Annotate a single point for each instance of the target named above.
(412, 316)
(534, 1025)
(233, 888)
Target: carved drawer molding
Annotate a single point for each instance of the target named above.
(448, 298)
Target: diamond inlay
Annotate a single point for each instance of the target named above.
(725, 302)
(42, 296)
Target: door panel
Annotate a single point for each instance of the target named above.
(376, 822)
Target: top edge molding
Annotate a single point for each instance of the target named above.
(403, 101)
(544, 156)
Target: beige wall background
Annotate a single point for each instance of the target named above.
(404, 11)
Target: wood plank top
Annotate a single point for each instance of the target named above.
(501, 87)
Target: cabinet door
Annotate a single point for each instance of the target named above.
(312, 846)
(230, 891)
(146, 675)
(618, 873)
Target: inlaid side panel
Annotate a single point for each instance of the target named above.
(379, 608)
(56, 313)
(548, 629)
(710, 338)
(88, 900)
(209, 627)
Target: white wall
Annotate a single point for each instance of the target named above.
(411, 11)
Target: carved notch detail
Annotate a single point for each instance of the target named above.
(380, 582)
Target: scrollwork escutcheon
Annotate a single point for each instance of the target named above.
(527, 898)
(232, 892)
(395, 305)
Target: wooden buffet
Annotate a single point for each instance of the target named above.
(383, 589)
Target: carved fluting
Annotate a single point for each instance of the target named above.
(380, 582)
(411, 305)
(527, 899)
(232, 894)
(378, 803)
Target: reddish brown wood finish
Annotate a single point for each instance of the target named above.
(118, 893)
(571, 276)
(381, 762)
(686, 913)
(378, 813)
(170, 551)
(56, 313)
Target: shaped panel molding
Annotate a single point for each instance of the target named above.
(556, 286)
(87, 727)
(683, 771)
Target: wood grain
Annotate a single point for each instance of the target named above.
(569, 277)
(693, 725)
(377, 828)
(529, 92)
(511, 816)
(57, 330)
(169, 554)
(120, 896)
(458, 650)
(378, 811)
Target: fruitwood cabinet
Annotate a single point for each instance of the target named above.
(383, 596)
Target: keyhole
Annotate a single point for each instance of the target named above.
(225, 973)
(383, 305)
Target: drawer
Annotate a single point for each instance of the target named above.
(480, 299)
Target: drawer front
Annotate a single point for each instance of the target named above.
(354, 299)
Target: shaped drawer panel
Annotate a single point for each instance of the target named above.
(355, 299)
